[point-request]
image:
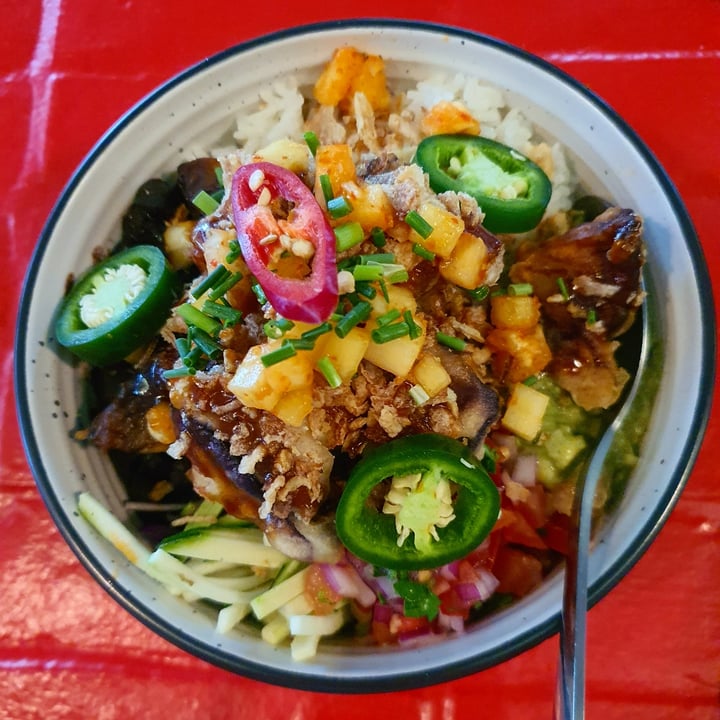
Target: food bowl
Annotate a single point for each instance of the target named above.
(197, 109)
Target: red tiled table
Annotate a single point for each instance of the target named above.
(68, 68)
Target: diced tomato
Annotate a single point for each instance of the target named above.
(381, 633)
(319, 593)
(517, 530)
(517, 571)
(401, 624)
(533, 508)
(556, 533)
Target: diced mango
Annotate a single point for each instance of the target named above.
(287, 153)
(371, 208)
(336, 162)
(466, 265)
(449, 117)
(528, 351)
(262, 387)
(293, 407)
(430, 373)
(397, 356)
(336, 78)
(399, 297)
(524, 412)
(370, 79)
(446, 229)
(346, 353)
(520, 312)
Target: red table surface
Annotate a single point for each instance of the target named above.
(68, 69)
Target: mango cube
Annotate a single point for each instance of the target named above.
(431, 375)
(525, 411)
(346, 353)
(467, 263)
(519, 312)
(446, 229)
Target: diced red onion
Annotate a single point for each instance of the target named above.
(486, 584)
(509, 442)
(468, 593)
(346, 582)
(453, 623)
(450, 571)
(382, 613)
(525, 470)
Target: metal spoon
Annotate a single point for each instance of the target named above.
(570, 689)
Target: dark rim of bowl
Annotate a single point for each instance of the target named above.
(398, 680)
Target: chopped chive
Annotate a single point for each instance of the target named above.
(276, 328)
(205, 202)
(563, 288)
(193, 358)
(227, 315)
(383, 289)
(419, 224)
(415, 329)
(591, 316)
(329, 372)
(388, 317)
(194, 317)
(317, 331)
(454, 343)
(285, 351)
(418, 394)
(259, 293)
(312, 141)
(178, 372)
(221, 289)
(386, 333)
(182, 344)
(339, 207)
(376, 258)
(378, 237)
(348, 235)
(326, 187)
(302, 343)
(218, 195)
(219, 176)
(217, 276)
(365, 289)
(205, 342)
(479, 293)
(498, 292)
(359, 313)
(529, 381)
(424, 253)
(367, 272)
(397, 276)
(519, 289)
(234, 254)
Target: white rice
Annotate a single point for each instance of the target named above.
(279, 114)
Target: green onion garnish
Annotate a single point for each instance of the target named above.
(563, 288)
(326, 187)
(285, 351)
(339, 207)
(205, 202)
(312, 141)
(317, 331)
(388, 317)
(302, 343)
(418, 395)
(275, 329)
(378, 237)
(377, 258)
(367, 272)
(221, 289)
(419, 224)
(348, 235)
(530, 381)
(259, 293)
(398, 275)
(518, 289)
(234, 254)
(215, 278)
(424, 253)
(489, 459)
(178, 372)
(227, 315)
(365, 289)
(383, 289)
(359, 313)
(454, 343)
(194, 317)
(193, 358)
(386, 333)
(204, 342)
(479, 293)
(329, 372)
(414, 328)
(182, 344)
(591, 316)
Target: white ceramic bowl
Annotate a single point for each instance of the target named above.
(197, 108)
